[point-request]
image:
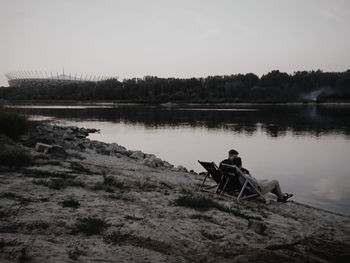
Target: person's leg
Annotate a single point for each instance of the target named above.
(277, 189)
(271, 186)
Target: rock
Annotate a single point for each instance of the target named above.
(57, 151)
(153, 162)
(118, 155)
(53, 150)
(167, 165)
(107, 150)
(119, 149)
(149, 155)
(180, 168)
(92, 130)
(137, 155)
(258, 226)
(82, 146)
(81, 135)
(68, 137)
(42, 147)
(46, 139)
(74, 154)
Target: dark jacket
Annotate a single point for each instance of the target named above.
(236, 161)
(231, 173)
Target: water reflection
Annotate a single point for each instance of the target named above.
(275, 121)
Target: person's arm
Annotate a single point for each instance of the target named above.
(245, 170)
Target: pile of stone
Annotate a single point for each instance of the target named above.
(56, 140)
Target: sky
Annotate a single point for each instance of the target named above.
(178, 38)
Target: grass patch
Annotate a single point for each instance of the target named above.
(203, 217)
(21, 199)
(14, 157)
(119, 196)
(132, 217)
(38, 225)
(78, 168)
(59, 183)
(70, 203)
(186, 191)
(51, 162)
(13, 124)
(111, 181)
(4, 213)
(8, 211)
(201, 203)
(6, 140)
(116, 237)
(46, 174)
(145, 185)
(197, 202)
(211, 236)
(76, 253)
(109, 184)
(24, 256)
(90, 226)
(11, 243)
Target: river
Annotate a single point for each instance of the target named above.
(305, 146)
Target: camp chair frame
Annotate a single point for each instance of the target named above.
(228, 178)
(246, 182)
(209, 174)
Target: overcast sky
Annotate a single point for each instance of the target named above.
(173, 38)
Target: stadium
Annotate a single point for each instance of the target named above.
(37, 79)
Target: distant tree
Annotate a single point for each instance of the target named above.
(273, 86)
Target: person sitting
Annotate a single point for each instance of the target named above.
(238, 162)
(264, 186)
(232, 154)
(232, 159)
(229, 171)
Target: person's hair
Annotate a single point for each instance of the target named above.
(238, 162)
(232, 152)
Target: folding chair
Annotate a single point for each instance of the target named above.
(223, 180)
(215, 173)
(247, 181)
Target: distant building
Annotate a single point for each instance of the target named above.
(28, 79)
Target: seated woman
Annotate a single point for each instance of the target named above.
(265, 186)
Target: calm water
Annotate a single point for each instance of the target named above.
(305, 147)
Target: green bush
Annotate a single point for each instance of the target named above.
(13, 125)
(12, 156)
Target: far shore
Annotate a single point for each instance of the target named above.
(11, 103)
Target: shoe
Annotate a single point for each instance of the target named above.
(284, 198)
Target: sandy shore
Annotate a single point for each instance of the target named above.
(103, 203)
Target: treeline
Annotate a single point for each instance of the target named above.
(275, 86)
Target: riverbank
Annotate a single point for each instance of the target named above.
(92, 201)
